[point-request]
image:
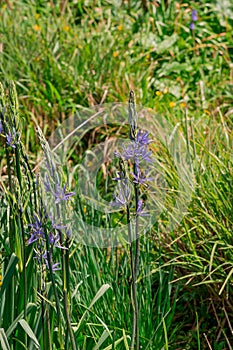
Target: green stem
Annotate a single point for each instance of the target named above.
(71, 334)
(11, 236)
(24, 265)
(52, 279)
(133, 117)
(133, 291)
(19, 177)
(43, 323)
(65, 275)
(48, 327)
(47, 345)
(136, 263)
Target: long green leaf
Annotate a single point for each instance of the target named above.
(13, 325)
(98, 295)
(9, 273)
(103, 289)
(102, 339)
(29, 332)
(3, 340)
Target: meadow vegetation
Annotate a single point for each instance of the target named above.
(57, 58)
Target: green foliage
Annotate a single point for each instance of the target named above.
(63, 55)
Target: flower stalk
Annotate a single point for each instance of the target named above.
(134, 154)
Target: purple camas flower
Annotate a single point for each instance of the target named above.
(143, 138)
(138, 149)
(139, 210)
(194, 15)
(43, 249)
(192, 26)
(194, 19)
(144, 154)
(60, 194)
(120, 199)
(37, 230)
(55, 266)
(56, 189)
(58, 226)
(123, 194)
(54, 240)
(44, 259)
(12, 138)
(10, 141)
(1, 127)
(141, 178)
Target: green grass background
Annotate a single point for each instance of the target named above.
(68, 54)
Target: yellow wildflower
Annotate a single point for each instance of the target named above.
(0, 280)
(207, 111)
(37, 15)
(165, 91)
(84, 209)
(172, 104)
(66, 28)
(120, 27)
(158, 93)
(37, 28)
(148, 56)
(80, 46)
(115, 54)
(4, 6)
(183, 105)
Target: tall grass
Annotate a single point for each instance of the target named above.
(95, 52)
